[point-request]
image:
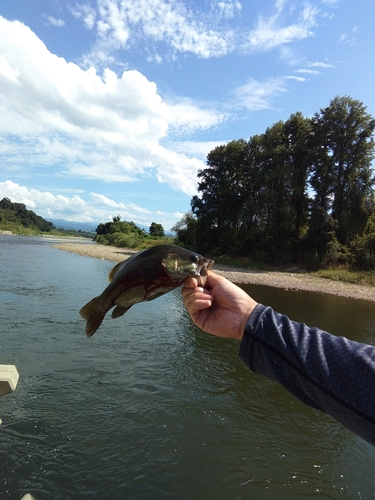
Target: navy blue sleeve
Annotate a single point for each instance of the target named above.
(329, 373)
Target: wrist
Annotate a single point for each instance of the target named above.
(251, 306)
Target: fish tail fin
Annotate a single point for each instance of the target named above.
(94, 316)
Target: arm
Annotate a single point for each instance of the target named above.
(329, 373)
(332, 374)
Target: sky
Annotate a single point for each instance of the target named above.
(110, 107)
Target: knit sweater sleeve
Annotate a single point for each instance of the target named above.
(332, 374)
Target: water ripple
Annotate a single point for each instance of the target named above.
(149, 407)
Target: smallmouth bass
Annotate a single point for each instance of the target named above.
(144, 276)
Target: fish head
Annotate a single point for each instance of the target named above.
(185, 264)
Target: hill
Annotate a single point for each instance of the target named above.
(17, 218)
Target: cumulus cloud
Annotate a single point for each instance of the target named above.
(96, 208)
(86, 125)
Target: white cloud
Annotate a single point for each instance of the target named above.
(308, 71)
(54, 114)
(117, 21)
(318, 64)
(45, 202)
(271, 32)
(257, 96)
(295, 78)
(186, 116)
(349, 38)
(198, 149)
(330, 2)
(229, 10)
(52, 21)
(100, 199)
(97, 208)
(176, 27)
(86, 13)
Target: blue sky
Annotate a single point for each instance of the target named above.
(110, 106)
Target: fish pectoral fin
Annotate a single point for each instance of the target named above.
(94, 316)
(113, 271)
(119, 311)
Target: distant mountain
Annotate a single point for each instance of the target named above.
(67, 224)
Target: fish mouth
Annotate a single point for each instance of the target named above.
(202, 272)
(196, 266)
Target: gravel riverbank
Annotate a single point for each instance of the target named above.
(286, 280)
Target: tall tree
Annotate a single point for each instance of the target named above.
(341, 169)
(282, 201)
(221, 198)
(298, 133)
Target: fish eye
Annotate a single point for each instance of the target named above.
(194, 258)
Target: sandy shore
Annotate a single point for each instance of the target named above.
(286, 280)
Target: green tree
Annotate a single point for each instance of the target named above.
(186, 230)
(342, 179)
(218, 207)
(280, 174)
(120, 233)
(156, 230)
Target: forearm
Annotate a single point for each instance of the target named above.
(329, 373)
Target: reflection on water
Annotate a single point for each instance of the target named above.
(352, 318)
(150, 407)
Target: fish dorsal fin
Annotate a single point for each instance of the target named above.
(113, 271)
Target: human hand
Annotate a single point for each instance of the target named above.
(221, 308)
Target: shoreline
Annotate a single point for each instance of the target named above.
(276, 279)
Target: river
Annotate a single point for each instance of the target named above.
(150, 407)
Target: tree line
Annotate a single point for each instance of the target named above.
(302, 192)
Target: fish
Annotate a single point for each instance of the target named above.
(144, 276)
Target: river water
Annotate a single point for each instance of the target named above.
(152, 408)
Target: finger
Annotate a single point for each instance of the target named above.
(191, 282)
(213, 279)
(197, 301)
(196, 294)
(198, 305)
(189, 291)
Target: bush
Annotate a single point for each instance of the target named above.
(336, 254)
(363, 250)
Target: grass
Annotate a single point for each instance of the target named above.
(347, 276)
(19, 229)
(243, 262)
(339, 274)
(152, 241)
